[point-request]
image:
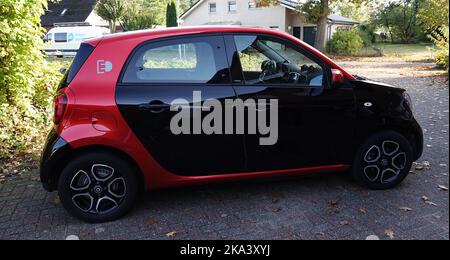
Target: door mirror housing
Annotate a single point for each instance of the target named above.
(338, 77)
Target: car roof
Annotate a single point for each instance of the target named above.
(180, 31)
(157, 33)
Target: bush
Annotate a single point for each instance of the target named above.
(345, 43)
(441, 39)
(25, 77)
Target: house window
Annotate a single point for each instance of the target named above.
(232, 7)
(254, 4)
(212, 7)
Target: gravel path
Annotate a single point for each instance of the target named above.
(323, 207)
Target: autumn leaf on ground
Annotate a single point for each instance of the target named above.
(442, 188)
(150, 221)
(334, 202)
(344, 223)
(171, 234)
(389, 233)
(275, 210)
(406, 209)
(428, 201)
(276, 196)
(363, 210)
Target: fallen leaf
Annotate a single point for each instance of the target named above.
(276, 196)
(442, 188)
(334, 202)
(425, 198)
(171, 234)
(428, 201)
(150, 221)
(389, 233)
(363, 210)
(344, 223)
(275, 210)
(431, 203)
(406, 209)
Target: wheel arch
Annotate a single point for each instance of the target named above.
(414, 136)
(61, 164)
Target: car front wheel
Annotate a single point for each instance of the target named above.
(383, 161)
(98, 187)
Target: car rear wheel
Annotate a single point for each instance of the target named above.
(383, 161)
(98, 187)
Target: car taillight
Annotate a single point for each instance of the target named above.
(60, 108)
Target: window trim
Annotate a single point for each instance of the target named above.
(229, 5)
(209, 7)
(120, 82)
(325, 66)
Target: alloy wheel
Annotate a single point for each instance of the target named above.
(383, 162)
(98, 190)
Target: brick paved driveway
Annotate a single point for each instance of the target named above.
(325, 207)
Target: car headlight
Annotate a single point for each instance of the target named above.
(408, 101)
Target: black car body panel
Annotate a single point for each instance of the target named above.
(56, 151)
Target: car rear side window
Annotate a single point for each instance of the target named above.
(82, 55)
(60, 37)
(199, 60)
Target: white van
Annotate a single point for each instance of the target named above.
(65, 41)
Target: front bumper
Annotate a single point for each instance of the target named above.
(419, 141)
(56, 153)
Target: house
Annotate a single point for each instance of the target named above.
(284, 16)
(72, 13)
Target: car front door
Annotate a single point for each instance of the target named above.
(161, 72)
(315, 121)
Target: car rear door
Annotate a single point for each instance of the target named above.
(315, 121)
(161, 72)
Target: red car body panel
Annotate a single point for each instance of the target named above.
(92, 117)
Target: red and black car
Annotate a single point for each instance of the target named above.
(112, 134)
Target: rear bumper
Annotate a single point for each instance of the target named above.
(56, 152)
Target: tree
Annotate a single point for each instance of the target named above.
(435, 18)
(317, 11)
(138, 17)
(434, 13)
(111, 11)
(400, 19)
(171, 15)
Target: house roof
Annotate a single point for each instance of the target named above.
(67, 11)
(340, 19)
(290, 4)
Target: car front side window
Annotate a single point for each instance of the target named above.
(269, 61)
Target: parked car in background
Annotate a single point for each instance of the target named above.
(66, 41)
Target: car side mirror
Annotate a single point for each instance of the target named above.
(338, 77)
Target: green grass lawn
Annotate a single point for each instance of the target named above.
(421, 52)
(408, 52)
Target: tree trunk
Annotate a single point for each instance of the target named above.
(321, 36)
(112, 26)
(322, 26)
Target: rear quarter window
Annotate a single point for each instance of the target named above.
(82, 55)
(191, 60)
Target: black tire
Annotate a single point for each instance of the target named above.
(89, 197)
(390, 169)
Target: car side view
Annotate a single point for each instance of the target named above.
(113, 117)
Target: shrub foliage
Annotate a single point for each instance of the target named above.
(25, 77)
(345, 43)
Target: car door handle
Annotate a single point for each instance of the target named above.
(155, 107)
